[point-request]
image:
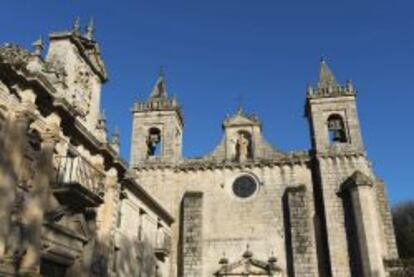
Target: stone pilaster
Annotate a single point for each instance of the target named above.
(300, 233)
(192, 235)
(360, 188)
(391, 251)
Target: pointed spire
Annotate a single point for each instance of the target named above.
(326, 77)
(90, 29)
(160, 89)
(38, 46)
(76, 25)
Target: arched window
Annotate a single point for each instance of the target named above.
(244, 146)
(336, 129)
(154, 142)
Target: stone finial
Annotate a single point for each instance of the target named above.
(90, 29)
(349, 86)
(115, 140)
(326, 77)
(76, 25)
(101, 124)
(38, 46)
(224, 261)
(272, 259)
(247, 254)
(174, 101)
(309, 90)
(116, 136)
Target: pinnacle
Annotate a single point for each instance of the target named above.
(90, 30)
(76, 25)
(326, 76)
(159, 90)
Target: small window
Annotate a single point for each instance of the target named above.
(336, 129)
(154, 142)
(244, 186)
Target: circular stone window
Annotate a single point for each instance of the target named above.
(244, 186)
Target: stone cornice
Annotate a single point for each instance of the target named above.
(339, 154)
(295, 158)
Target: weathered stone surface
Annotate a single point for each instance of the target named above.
(320, 211)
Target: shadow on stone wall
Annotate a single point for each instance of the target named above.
(135, 258)
(26, 170)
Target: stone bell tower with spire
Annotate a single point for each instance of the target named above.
(356, 233)
(331, 110)
(157, 128)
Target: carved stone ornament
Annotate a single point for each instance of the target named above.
(14, 55)
(82, 94)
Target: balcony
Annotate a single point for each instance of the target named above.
(162, 244)
(79, 184)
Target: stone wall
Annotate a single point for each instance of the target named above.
(333, 171)
(191, 239)
(300, 233)
(230, 223)
(387, 227)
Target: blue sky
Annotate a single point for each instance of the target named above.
(267, 50)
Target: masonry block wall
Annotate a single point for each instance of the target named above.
(300, 233)
(192, 235)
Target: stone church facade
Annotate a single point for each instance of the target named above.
(70, 206)
(251, 208)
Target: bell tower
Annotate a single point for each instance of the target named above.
(157, 128)
(332, 114)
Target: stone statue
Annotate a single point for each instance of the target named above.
(242, 147)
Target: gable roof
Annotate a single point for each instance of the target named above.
(240, 118)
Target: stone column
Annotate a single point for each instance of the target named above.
(360, 188)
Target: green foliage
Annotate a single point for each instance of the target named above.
(403, 218)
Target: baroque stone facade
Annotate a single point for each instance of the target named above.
(70, 206)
